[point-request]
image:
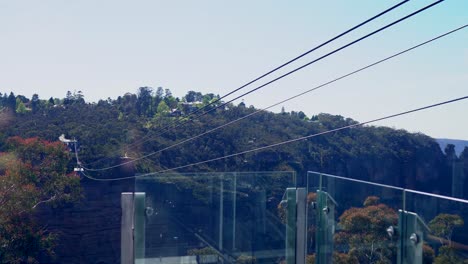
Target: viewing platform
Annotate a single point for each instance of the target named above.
(266, 217)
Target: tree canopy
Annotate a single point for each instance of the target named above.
(33, 173)
(110, 128)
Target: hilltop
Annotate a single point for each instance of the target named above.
(139, 124)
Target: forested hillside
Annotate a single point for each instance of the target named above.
(80, 215)
(134, 125)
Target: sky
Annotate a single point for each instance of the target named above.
(106, 48)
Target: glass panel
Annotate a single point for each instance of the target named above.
(349, 221)
(216, 217)
(440, 232)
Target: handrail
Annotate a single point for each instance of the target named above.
(392, 187)
(438, 196)
(356, 180)
(214, 173)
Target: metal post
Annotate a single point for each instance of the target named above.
(411, 238)
(132, 233)
(301, 233)
(126, 232)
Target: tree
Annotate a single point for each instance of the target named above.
(69, 99)
(11, 101)
(167, 93)
(20, 107)
(208, 98)
(51, 101)
(159, 92)
(444, 224)
(6, 118)
(35, 103)
(448, 255)
(22, 98)
(79, 97)
(159, 96)
(428, 254)
(144, 101)
(301, 115)
(163, 109)
(171, 102)
(32, 174)
(193, 96)
(127, 103)
(363, 232)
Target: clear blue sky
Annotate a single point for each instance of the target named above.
(107, 48)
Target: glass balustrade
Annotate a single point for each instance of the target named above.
(351, 221)
(215, 218)
(354, 221)
(263, 217)
(436, 229)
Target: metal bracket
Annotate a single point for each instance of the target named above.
(325, 217)
(411, 238)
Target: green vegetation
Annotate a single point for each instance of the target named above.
(133, 124)
(362, 237)
(32, 174)
(363, 233)
(443, 226)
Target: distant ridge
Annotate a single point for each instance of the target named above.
(459, 144)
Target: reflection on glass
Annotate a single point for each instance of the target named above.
(351, 221)
(444, 236)
(216, 217)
